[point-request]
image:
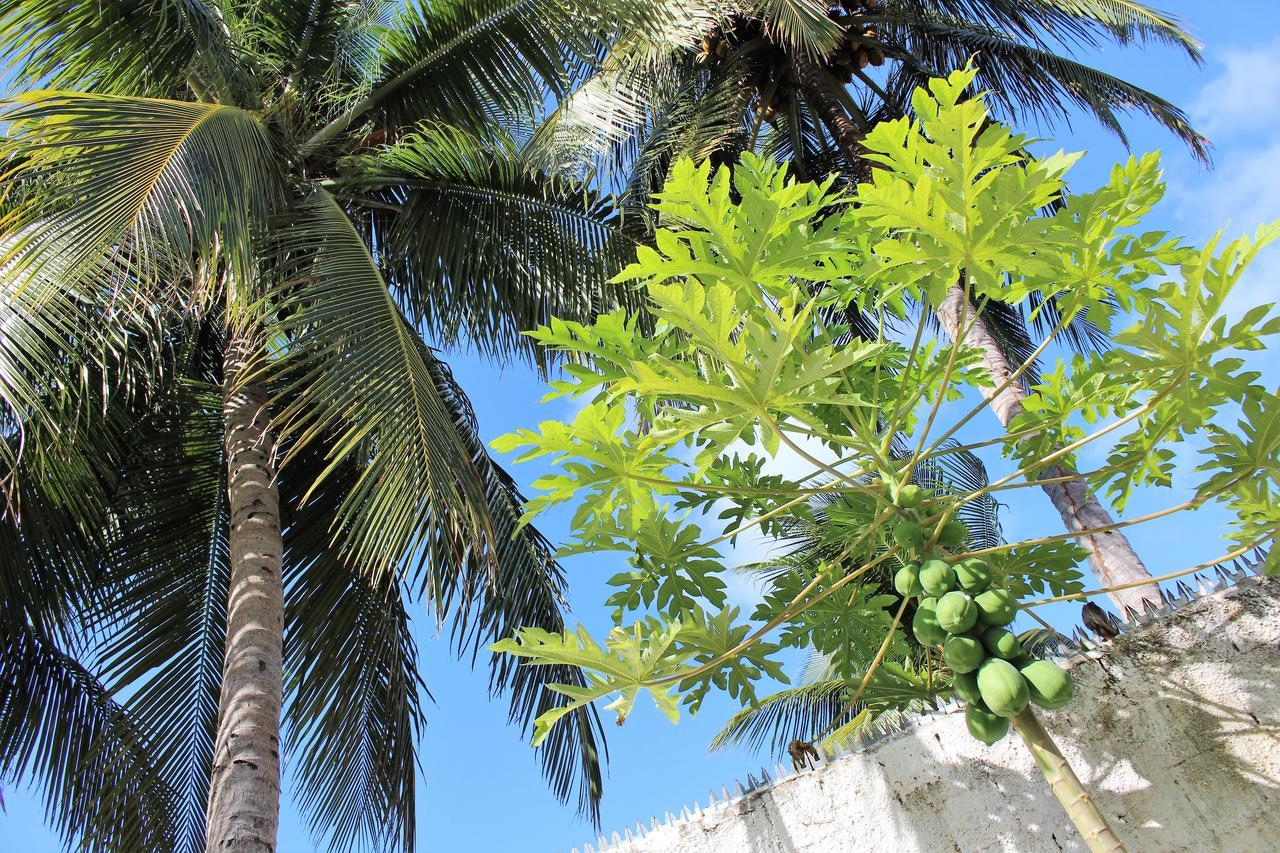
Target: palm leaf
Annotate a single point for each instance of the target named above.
(127, 174)
(136, 47)
(354, 711)
(779, 718)
(526, 590)
(480, 245)
(170, 568)
(1023, 79)
(354, 373)
(802, 25)
(60, 728)
(467, 61)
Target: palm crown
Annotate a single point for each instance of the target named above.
(310, 186)
(806, 79)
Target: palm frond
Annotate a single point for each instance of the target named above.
(468, 61)
(128, 174)
(135, 47)
(170, 568)
(801, 25)
(353, 714)
(1026, 80)
(955, 471)
(794, 713)
(356, 374)
(61, 730)
(1122, 21)
(324, 45)
(479, 245)
(526, 589)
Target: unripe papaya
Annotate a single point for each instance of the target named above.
(907, 581)
(973, 575)
(925, 624)
(1049, 684)
(908, 535)
(953, 533)
(984, 725)
(1003, 688)
(963, 654)
(937, 577)
(995, 606)
(965, 685)
(1002, 643)
(956, 612)
(909, 496)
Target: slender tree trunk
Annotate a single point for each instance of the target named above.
(1110, 555)
(244, 789)
(1090, 823)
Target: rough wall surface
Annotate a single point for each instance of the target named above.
(1175, 731)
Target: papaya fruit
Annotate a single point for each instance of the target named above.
(908, 534)
(953, 533)
(962, 654)
(1003, 688)
(973, 575)
(907, 581)
(925, 623)
(995, 606)
(965, 686)
(937, 577)
(1002, 643)
(910, 496)
(1049, 684)
(956, 612)
(984, 725)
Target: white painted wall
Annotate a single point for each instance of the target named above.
(1174, 729)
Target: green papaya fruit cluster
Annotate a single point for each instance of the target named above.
(962, 611)
(918, 521)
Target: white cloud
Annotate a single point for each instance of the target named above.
(1244, 96)
(1237, 109)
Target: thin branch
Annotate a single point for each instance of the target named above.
(1088, 593)
(871, 670)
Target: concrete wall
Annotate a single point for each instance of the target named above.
(1175, 730)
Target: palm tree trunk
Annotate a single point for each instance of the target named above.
(244, 788)
(1066, 786)
(1110, 555)
(815, 82)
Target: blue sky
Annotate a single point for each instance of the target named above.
(480, 789)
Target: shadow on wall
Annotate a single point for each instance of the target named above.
(1179, 728)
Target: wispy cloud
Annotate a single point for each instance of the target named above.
(1244, 96)
(1236, 107)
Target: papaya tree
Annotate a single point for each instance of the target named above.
(804, 80)
(741, 356)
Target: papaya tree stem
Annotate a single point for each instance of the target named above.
(1089, 822)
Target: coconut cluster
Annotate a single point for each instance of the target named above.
(960, 608)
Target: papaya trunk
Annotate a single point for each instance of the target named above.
(1111, 557)
(1066, 786)
(244, 788)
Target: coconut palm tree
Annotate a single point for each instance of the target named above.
(805, 80)
(230, 461)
